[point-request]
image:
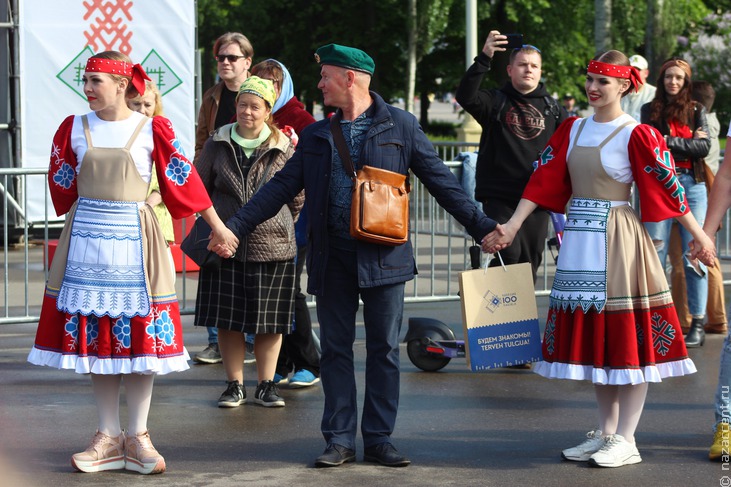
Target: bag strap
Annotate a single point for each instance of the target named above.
(339, 140)
(552, 108)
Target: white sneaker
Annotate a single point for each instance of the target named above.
(594, 441)
(616, 452)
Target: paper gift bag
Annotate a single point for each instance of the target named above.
(500, 317)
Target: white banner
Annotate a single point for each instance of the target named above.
(56, 39)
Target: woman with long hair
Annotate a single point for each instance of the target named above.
(611, 318)
(684, 125)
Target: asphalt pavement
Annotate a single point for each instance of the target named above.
(503, 427)
(499, 428)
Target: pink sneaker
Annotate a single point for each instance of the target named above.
(141, 456)
(104, 453)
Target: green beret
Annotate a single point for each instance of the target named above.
(345, 57)
(263, 88)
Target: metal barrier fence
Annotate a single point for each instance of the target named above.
(440, 247)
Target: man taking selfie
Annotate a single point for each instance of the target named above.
(517, 120)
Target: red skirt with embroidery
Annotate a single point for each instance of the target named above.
(637, 336)
(150, 344)
(616, 347)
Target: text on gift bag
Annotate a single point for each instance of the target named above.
(500, 317)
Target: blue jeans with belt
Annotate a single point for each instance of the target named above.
(697, 284)
(382, 313)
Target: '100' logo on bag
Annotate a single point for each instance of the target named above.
(494, 301)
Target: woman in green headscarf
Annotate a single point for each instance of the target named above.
(253, 291)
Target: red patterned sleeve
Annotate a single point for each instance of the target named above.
(62, 169)
(180, 186)
(550, 185)
(661, 194)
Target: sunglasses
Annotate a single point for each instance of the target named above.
(232, 58)
(527, 46)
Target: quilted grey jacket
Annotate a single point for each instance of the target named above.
(274, 239)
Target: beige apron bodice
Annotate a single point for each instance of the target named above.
(114, 165)
(588, 177)
(110, 174)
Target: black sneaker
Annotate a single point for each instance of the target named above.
(234, 396)
(267, 394)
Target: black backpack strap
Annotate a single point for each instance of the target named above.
(552, 108)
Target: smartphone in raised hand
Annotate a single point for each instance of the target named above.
(515, 41)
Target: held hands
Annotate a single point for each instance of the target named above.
(494, 42)
(223, 242)
(703, 249)
(498, 239)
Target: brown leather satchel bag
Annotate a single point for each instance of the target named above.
(379, 211)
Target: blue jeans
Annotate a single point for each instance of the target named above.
(469, 168)
(697, 286)
(212, 335)
(382, 313)
(723, 413)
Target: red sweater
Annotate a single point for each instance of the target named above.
(293, 113)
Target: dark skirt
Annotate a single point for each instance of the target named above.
(248, 297)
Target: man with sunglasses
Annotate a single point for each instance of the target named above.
(233, 53)
(517, 120)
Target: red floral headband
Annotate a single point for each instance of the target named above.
(120, 68)
(615, 71)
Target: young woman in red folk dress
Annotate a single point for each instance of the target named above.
(109, 308)
(611, 318)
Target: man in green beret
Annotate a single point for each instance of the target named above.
(341, 269)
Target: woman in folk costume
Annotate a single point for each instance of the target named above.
(110, 308)
(611, 318)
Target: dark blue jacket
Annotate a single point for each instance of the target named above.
(394, 142)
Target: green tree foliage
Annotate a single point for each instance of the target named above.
(291, 30)
(565, 45)
(708, 52)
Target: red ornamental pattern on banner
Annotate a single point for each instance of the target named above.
(109, 31)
